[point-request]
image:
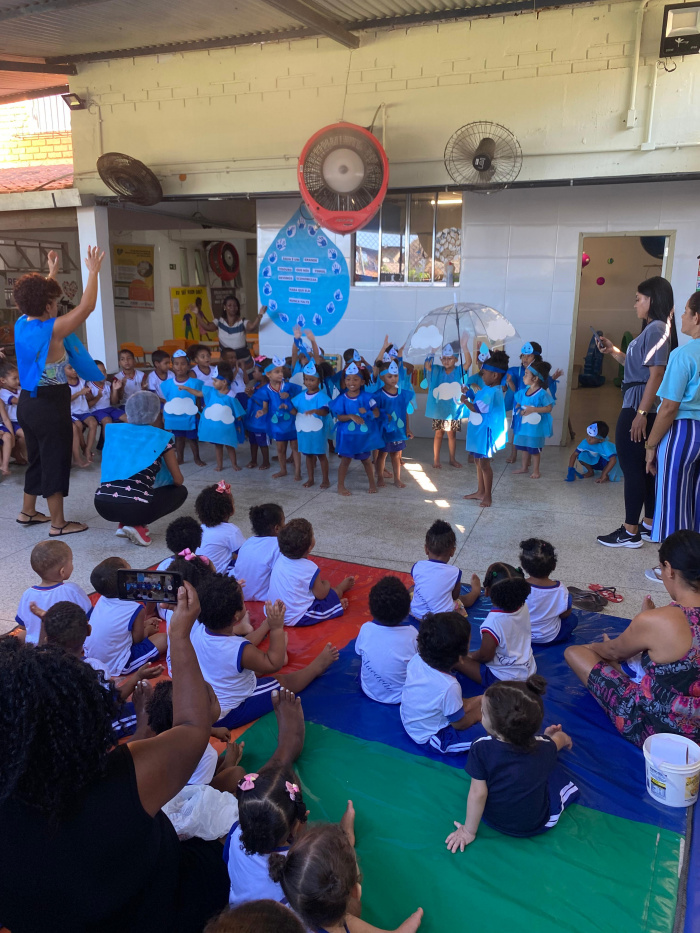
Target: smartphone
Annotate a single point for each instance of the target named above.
(596, 335)
(148, 586)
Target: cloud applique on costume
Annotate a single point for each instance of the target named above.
(533, 418)
(217, 412)
(426, 338)
(308, 423)
(447, 390)
(475, 417)
(180, 406)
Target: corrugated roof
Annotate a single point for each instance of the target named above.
(39, 177)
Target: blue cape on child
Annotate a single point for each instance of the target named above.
(32, 339)
(130, 448)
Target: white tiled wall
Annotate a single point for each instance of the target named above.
(520, 254)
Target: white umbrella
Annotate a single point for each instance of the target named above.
(456, 324)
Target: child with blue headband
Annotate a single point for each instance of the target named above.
(488, 429)
(595, 453)
(180, 413)
(530, 352)
(444, 406)
(356, 412)
(395, 405)
(219, 422)
(312, 408)
(533, 405)
(276, 408)
(254, 423)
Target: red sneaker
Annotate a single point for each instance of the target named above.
(137, 534)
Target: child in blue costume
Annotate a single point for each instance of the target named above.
(530, 352)
(219, 420)
(389, 353)
(444, 384)
(257, 428)
(180, 414)
(312, 410)
(395, 405)
(356, 412)
(595, 453)
(488, 427)
(533, 405)
(276, 407)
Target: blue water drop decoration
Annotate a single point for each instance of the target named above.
(301, 222)
(291, 230)
(351, 426)
(272, 258)
(411, 407)
(400, 422)
(330, 308)
(274, 419)
(282, 318)
(338, 295)
(266, 289)
(272, 305)
(312, 230)
(321, 240)
(266, 272)
(364, 428)
(317, 320)
(301, 320)
(336, 268)
(424, 383)
(332, 253)
(281, 243)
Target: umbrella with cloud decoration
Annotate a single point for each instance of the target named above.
(456, 324)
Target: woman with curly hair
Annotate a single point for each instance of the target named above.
(44, 344)
(86, 814)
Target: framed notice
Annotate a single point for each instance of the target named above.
(132, 270)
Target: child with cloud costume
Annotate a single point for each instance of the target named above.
(444, 384)
(530, 352)
(257, 425)
(276, 408)
(180, 411)
(595, 453)
(312, 410)
(220, 421)
(395, 405)
(533, 406)
(356, 412)
(488, 428)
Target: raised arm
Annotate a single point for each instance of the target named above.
(607, 347)
(164, 764)
(251, 326)
(70, 322)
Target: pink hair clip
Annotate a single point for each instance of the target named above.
(292, 790)
(187, 554)
(248, 782)
(224, 487)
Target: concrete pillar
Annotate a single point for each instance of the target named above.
(100, 327)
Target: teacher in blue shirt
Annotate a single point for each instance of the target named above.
(44, 344)
(673, 445)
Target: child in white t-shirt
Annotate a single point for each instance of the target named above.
(239, 673)
(9, 396)
(259, 554)
(436, 582)
(220, 539)
(505, 652)
(432, 708)
(52, 562)
(295, 579)
(552, 619)
(387, 643)
(123, 636)
(162, 371)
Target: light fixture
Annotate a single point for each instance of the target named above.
(442, 201)
(73, 102)
(680, 33)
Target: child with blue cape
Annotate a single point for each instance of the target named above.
(530, 352)
(312, 409)
(443, 381)
(256, 426)
(389, 353)
(220, 421)
(533, 406)
(180, 413)
(356, 412)
(395, 405)
(276, 408)
(488, 428)
(304, 350)
(595, 453)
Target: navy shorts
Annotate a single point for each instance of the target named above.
(114, 413)
(84, 415)
(392, 447)
(15, 426)
(480, 456)
(258, 437)
(141, 652)
(125, 724)
(568, 625)
(562, 791)
(190, 435)
(256, 705)
(329, 607)
(3, 429)
(487, 676)
(451, 741)
(528, 450)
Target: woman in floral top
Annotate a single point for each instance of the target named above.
(663, 694)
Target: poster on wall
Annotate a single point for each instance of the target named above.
(70, 282)
(184, 303)
(218, 296)
(132, 270)
(304, 278)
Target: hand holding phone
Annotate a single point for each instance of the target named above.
(148, 586)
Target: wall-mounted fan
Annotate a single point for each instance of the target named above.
(343, 176)
(223, 258)
(483, 156)
(130, 179)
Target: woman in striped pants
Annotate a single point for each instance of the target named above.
(673, 445)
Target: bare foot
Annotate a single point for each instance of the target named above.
(342, 491)
(297, 479)
(279, 473)
(264, 466)
(388, 474)
(475, 495)
(234, 753)
(399, 484)
(5, 471)
(325, 485)
(456, 463)
(380, 482)
(521, 470)
(252, 465)
(347, 823)
(309, 483)
(346, 584)
(290, 459)
(218, 469)
(200, 462)
(412, 923)
(648, 603)
(511, 460)
(78, 463)
(141, 697)
(437, 466)
(485, 503)
(290, 724)
(328, 656)
(244, 627)
(344, 603)
(236, 468)
(372, 489)
(534, 475)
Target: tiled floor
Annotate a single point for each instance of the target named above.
(385, 530)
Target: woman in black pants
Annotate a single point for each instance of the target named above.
(644, 362)
(141, 479)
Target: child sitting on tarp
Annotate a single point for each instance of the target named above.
(595, 453)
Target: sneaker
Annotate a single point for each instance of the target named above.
(620, 538)
(137, 534)
(654, 575)
(120, 533)
(644, 532)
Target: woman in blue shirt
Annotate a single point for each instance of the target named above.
(673, 445)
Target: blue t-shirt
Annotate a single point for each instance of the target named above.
(681, 382)
(517, 782)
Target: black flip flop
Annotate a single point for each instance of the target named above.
(63, 533)
(586, 600)
(32, 520)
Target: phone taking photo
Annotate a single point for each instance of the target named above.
(597, 337)
(148, 586)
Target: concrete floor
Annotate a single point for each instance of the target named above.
(385, 530)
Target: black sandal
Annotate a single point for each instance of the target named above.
(33, 520)
(60, 532)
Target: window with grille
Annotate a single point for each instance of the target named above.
(410, 240)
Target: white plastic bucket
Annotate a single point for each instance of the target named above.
(672, 769)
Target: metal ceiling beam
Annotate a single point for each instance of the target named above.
(37, 68)
(33, 95)
(33, 7)
(315, 19)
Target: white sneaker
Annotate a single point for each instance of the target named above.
(120, 533)
(644, 532)
(654, 575)
(138, 534)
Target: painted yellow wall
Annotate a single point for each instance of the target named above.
(235, 120)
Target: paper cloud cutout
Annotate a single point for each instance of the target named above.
(308, 423)
(427, 338)
(448, 390)
(475, 417)
(217, 412)
(180, 406)
(534, 418)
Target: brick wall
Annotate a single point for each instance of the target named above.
(21, 144)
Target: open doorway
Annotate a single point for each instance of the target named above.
(611, 268)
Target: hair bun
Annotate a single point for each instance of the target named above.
(536, 684)
(276, 863)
